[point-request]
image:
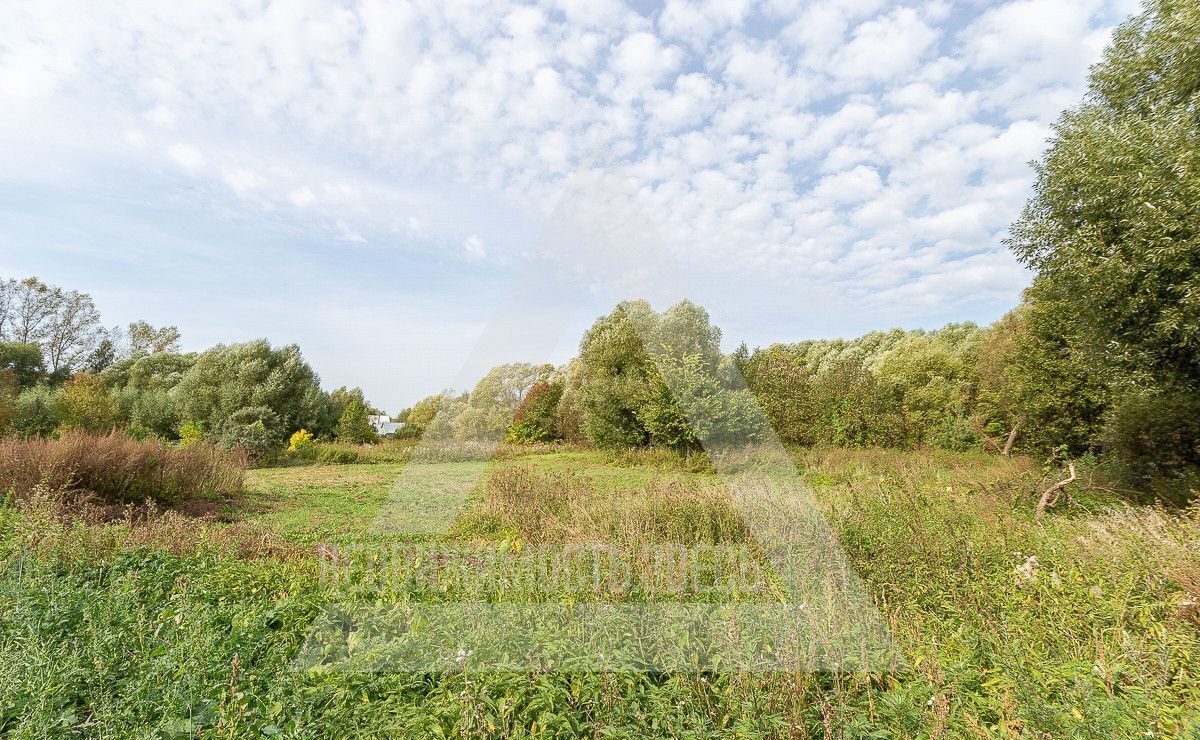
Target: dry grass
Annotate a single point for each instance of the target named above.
(564, 507)
(1160, 541)
(118, 468)
(74, 526)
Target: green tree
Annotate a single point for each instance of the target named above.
(9, 390)
(1113, 227)
(535, 418)
(35, 412)
(226, 379)
(63, 323)
(145, 339)
(491, 406)
(86, 404)
(782, 386)
(24, 360)
(353, 425)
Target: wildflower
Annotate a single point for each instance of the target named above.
(1027, 571)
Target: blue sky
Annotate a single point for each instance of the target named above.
(368, 179)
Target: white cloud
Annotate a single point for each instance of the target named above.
(474, 248)
(242, 180)
(347, 234)
(186, 155)
(885, 47)
(160, 115)
(791, 140)
(302, 197)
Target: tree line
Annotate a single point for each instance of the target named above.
(61, 369)
(1102, 356)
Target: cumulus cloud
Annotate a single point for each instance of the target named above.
(474, 248)
(875, 146)
(186, 155)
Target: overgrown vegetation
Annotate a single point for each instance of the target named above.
(1082, 625)
(118, 468)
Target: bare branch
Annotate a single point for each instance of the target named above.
(1012, 437)
(1051, 495)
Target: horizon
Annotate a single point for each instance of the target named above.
(819, 171)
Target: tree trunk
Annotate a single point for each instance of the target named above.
(1050, 495)
(1012, 437)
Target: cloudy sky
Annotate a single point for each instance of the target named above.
(367, 179)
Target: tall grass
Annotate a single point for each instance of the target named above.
(563, 507)
(118, 468)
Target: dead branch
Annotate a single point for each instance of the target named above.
(1012, 437)
(1051, 495)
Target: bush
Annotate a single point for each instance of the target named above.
(191, 433)
(34, 412)
(119, 468)
(86, 404)
(148, 413)
(354, 427)
(302, 446)
(534, 419)
(329, 455)
(1155, 436)
(255, 440)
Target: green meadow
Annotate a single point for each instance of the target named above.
(1083, 624)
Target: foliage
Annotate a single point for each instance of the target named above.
(1156, 434)
(690, 406)
(854, 408)
(341, 397)
(623, 395)
(934, 374)
(86, 404)
(64, 324)
(353, 426)
(9, 390)
(145, 339)
(146, 413)
(118, 468)
(491, 405)
(225, 379)
(158, 371)
(255, 440)
(302, 445)
(782, 386)
(534, 419)
(24, 360)
(422, 414)
(256, 430)
(35, 412)
(1037, 379)
(1112, 227)
(191, 433)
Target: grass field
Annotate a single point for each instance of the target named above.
(1082, 625)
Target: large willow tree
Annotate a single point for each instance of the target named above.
(1113, 231)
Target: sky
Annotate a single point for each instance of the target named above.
(415, 191)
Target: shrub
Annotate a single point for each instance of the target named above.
(34, 412)
(86, 404)
(146, 412)
(302, 446)
(191, 433)
(354, 427)
(1155, 436)
(330, 455)
(119, 468)
(258, 442)
(534, 419)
